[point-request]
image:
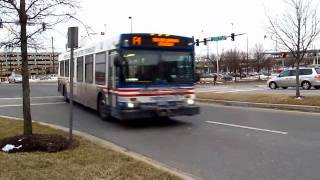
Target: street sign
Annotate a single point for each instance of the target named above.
(217, 38)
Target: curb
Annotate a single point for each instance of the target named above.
(314, 109)
(106, 144)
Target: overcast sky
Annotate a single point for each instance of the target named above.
(198, 18)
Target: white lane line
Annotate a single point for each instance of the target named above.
(247, 127)
(40, 97)
(33, 104)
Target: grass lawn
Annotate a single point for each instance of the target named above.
(261, 98)
(87, 161)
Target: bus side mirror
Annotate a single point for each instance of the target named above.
(117, 62)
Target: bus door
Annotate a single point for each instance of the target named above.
(90, 88)
(111, 80)
(79, 77)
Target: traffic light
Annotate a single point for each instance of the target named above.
(1, 24)
(197, 42)
(205, 41)
(232, 36)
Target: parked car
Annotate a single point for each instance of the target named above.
(15, 78)
(226, 77)
(308, 77)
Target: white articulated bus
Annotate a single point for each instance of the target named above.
(133, 76)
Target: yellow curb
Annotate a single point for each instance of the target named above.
(117, 148)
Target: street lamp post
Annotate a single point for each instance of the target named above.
(130, 24)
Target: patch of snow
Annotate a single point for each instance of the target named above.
(10, 147)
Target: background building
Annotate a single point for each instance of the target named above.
(39, 63)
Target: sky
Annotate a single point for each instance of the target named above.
(198, 18)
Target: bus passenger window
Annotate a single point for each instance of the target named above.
(61, 68)
(80, 69)
(100, 73)
(89, 69)
(67, 68)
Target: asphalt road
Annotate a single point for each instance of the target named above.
(223, 143)
(36, 90)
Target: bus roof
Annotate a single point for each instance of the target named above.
(131, 41)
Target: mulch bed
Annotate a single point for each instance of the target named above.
(35, 142)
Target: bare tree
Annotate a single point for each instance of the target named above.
(244, 63)
(259, 57)
(296, 29)
(26, 20)
(232, 60)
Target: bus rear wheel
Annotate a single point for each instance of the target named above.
(65, 94)
(103, 109)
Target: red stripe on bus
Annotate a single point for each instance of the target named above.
(159, 94)
(139, 90)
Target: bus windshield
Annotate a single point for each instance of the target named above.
(141, 67)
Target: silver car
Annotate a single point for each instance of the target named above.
(308, 77)
(15, 78)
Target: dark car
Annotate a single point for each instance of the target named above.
(226, 77)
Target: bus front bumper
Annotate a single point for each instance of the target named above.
(160, 112)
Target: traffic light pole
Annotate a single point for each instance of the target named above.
(217, 58)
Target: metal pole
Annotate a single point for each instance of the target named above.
(1, 70)
(71, 95)
(130, 24)
(217, 58)
(247, 54)
(72, 43)
(208, 58)
(10, 65)
(105, 29)
(317, 55)
(53, 65)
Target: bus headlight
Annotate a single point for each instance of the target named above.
(130, 105)
(190, 101)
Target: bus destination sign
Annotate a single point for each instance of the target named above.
(153, 41)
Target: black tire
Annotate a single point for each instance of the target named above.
(65, 94)
(317, 87)
(273, 85)
(284, 87)
(306, 85)
(103, 109)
